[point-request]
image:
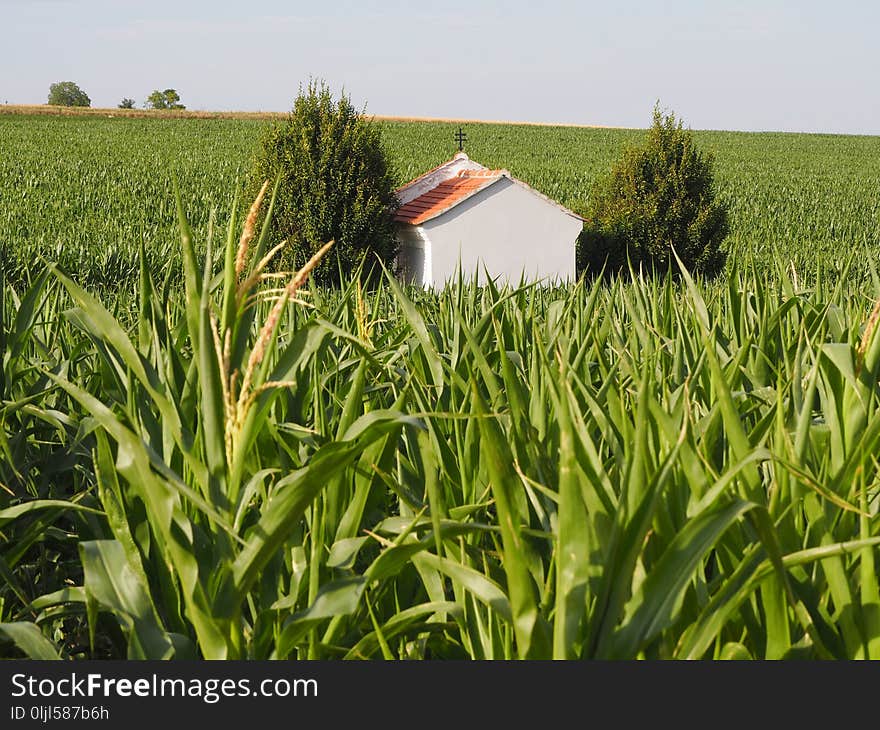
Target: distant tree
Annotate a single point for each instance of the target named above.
(126, 103)
(660, 195)
(335, 183)
(67, 93)
(168, 99)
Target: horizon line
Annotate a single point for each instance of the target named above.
(50, 110)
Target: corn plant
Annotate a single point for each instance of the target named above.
(652, 468)
(45, 467)
(199, 504)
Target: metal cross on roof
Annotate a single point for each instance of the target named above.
(461, 138)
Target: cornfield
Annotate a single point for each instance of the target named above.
(226, 465)
(87, 192)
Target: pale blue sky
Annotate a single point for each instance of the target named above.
(750, 64)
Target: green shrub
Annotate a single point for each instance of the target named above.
(335, 184)
(659, 196)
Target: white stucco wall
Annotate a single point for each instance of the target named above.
(414, 256)
(514, 232)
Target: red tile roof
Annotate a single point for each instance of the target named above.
(446, 195)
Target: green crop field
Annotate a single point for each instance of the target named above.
(191, 466)
(86, 191)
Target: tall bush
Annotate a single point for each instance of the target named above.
(660, 195)
(335, 184)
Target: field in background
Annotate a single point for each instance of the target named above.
(87, 190)
(135, 113)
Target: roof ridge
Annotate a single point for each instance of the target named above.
(443, 197)
(483, 173)
(446, 193)
(436, 175)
